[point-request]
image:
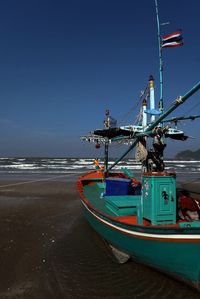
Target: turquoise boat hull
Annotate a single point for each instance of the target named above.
(172, 250)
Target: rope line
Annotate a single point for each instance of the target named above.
(30, 182)
(195, 106)
(142, 96)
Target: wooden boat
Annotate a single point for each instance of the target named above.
(140, 219)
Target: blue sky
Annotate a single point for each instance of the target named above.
(63, 62)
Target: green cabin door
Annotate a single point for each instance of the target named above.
(166, 199)
(159, 199)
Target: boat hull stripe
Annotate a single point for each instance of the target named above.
(141, 234)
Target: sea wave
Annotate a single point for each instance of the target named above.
(80, 165)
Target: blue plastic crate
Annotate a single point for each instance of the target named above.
(117, 186)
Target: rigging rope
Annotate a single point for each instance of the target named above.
(30, 182)
(196, 105)
(129, 112)
(134, 106)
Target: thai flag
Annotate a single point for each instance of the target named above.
(174, 39)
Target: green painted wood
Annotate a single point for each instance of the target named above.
(159, 199)
(127, 172)
(121, 201)
(125, 205)
(120, 205)
(187, 224)
(101, 185)
(94, 195)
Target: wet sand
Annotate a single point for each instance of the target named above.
(48, 250)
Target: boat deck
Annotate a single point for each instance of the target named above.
(126, 209)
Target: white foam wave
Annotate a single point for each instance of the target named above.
(24, 166)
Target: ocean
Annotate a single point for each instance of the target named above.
(20, 168)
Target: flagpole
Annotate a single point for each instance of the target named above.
(160, 58)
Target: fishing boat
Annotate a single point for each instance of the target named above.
(148, 220)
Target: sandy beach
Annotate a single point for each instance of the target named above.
(49, 251)
(33, 217)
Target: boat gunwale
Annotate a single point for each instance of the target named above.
(186, 231)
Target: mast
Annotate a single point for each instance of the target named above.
(152, 99)
(160, 58)
(109, 123)
(106, 155)
(149, 130)
(154, 129)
